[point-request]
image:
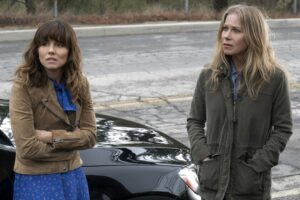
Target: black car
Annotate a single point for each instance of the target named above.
(130, 161)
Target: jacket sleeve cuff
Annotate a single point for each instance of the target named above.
(199, 155)
(58, 136)
(258, 165)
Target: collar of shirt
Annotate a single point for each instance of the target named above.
(235, 80)
(64, 97)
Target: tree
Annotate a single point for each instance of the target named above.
(152, 1)
(29, 4)
(219, 5)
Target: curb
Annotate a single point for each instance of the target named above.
(163, 27)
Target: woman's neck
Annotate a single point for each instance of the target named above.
(239, 63)
(55, 75)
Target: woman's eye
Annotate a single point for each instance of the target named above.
(44, 44)
(60, 45)
(236, 30)
(225, 28)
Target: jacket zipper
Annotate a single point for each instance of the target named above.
(233, 130)
(234, 111)
(63, 140)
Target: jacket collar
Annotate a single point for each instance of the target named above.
(49, 99)
(223, 71)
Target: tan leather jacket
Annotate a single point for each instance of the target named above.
(37, 108)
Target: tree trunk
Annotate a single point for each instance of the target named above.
(220, 5)
(30, 7)
(152, 1)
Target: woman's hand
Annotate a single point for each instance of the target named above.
(43, 136)
(206, 159)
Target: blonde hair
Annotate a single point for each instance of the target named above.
(32, 73)
(260, 61)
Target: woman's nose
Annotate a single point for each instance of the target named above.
(51, 47)
(227, 35)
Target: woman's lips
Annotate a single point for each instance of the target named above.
(225, 45)
(51, 60)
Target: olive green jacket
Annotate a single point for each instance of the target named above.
(242, 137)
(34, 108)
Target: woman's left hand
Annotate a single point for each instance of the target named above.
(43, 136)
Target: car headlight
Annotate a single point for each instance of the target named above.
(189, 176)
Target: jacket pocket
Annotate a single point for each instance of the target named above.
(246, 180)
(208, 174)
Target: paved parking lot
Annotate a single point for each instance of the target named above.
(150, 79)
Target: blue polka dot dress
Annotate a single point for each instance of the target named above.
(71, 185)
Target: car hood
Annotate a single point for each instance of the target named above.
(120, 141)
(114, 131)
(113, 156)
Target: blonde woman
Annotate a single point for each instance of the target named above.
(240, 116)
(52, 117)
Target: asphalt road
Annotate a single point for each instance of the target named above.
(151, 78)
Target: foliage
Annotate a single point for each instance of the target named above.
(123, 6)
(16, 12)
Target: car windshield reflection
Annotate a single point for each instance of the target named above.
(113, 134)
(5, 127)
(150, 155)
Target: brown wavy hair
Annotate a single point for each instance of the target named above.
(32, 73)
(259, 60)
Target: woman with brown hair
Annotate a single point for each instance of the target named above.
(240, 116)
(52, 117)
